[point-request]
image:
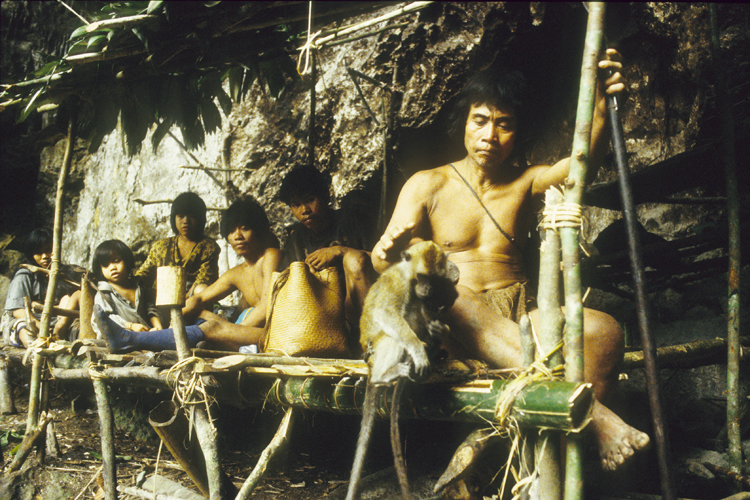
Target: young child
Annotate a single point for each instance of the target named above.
(246, 228)
(26, 283)
(120, 294)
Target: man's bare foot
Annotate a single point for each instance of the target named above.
(617, 440)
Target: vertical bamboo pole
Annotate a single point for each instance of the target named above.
(733, 214)
(311, 127)
(170, 292)
(106, 426)
(86, 309)
(36, 367)
(570, 235)
(550, 334)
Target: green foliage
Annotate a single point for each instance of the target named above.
(179, 80)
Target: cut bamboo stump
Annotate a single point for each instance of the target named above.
(87, 308)
(7, 403)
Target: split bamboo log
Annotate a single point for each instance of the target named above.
(279, 440)
(172, 426)
(546, 404)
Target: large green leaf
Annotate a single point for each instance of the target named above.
(154, 6)
(30, 105)
(159, 133)
(193, 135)
(211, 116)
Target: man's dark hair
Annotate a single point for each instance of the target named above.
(37, 241)
(495, 87)
(305, 180)
(247, 212)
(189, 204)
(108, 251)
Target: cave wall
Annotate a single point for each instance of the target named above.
(670, 109)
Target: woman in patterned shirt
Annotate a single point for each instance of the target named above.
(189, 248)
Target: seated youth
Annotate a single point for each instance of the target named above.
(324, 237)
(189, 248)
(25, 283)
(246, 228)
(120, 294)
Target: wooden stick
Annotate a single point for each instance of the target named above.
(36, 370)
(155, 202)
(690, 355)
(57, 311)
(106, 424)
(279, 439)
(37, 269)
(28, 443)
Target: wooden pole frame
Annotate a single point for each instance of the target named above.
(36, 371)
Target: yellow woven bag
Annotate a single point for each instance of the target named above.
(306, 314)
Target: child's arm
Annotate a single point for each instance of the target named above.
(156, 323)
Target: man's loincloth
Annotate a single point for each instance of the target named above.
(511, 302)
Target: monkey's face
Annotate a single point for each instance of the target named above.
(435, 277)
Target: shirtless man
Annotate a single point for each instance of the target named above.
(246, 228)
(436, 205)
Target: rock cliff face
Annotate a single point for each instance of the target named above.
(670, 110)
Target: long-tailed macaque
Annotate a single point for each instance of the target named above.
(400, 330)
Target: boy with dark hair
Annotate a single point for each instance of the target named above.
(324, 237)
(246, 228)
(38, 250)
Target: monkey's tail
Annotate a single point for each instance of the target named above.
(368, 419)
(398, 455)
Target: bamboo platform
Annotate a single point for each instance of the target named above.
(456, 390)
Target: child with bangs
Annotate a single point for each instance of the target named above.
(120, 295)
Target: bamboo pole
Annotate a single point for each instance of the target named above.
(86, 309)
(107, 433)
(733, 215)
(547, 447)
(36, 370)
(569, 235)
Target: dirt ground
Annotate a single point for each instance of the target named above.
(315, 465)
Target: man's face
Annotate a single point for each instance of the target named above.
(489, 135)
(242, 240)
(309, 210)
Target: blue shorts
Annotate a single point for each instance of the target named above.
(243, 315)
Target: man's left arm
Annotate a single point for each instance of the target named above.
(611, 79)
